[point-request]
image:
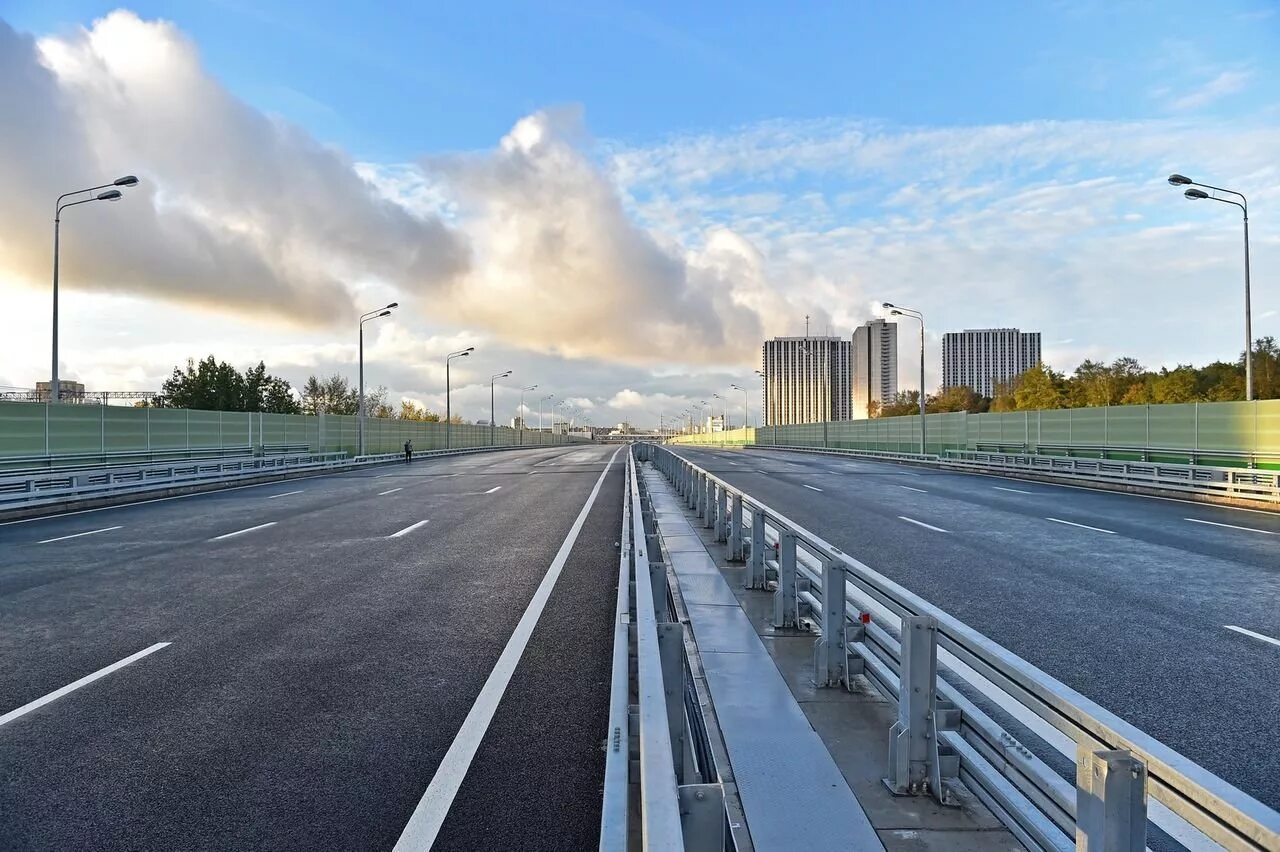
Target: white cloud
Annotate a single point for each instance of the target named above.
(1225, 83)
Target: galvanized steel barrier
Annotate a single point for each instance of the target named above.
(657, 762)
(1234, 482)
(868, 625)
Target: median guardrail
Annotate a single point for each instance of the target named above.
(1224, 482)
(868, 625)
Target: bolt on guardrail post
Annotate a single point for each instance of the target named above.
(755, 565)
(831, 653)
(734, 550)
(915, 767)
(784, 599)
(1111, 801)
(702, 817)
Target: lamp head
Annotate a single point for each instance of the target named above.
(887, 305)
(127, 180)
(110, 195)
(1179, 180)
(1195, 194)
(895, 313)
(393, 305)
(384, 313)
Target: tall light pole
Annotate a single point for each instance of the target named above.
(544, 399)
(1196, 195)
(493, 379)
(111, 194)
(918, 317)
(524, 425)
(448, 389)
(768, 413)
(724, 413)
(364, 318)
(746, 417)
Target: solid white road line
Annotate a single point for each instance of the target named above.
(408, 529)
(1251, 633)
(392, 491)
(429, 815)
(909, 488)
(1081, 526)
(1229, 526)
(1014, 490)
(811, 488)
(84, 681)
(921, 524)
(77, 535)
(493, 489)
(285, 494)
(243, 531)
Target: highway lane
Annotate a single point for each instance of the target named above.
(1129, 602)
(319, 667)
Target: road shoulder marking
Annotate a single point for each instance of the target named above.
(243, 531)
(493, 489)
(407, 529)
(1248, 632)
(1229, 526)
(78, 535)
(922, 524)
(84, 681)
(423, 827)
(1081, 526)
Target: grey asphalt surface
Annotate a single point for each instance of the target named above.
(318, 670)
(1134, 619)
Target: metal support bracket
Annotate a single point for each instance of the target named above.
(915, 765)
(784, 599)
(671, 655)
(702, 817)
(1111, 801)
(734, 551)
(755, 564)
(831, 652)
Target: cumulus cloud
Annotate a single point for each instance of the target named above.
(236, 210)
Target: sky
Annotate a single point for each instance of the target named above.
(620, 202)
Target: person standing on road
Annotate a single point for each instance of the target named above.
(408, 451)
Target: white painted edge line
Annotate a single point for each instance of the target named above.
(1248, 632)
(493, 489)
(909, 488)
(243, 531)
(84, 681)
(811, 488)
(77, 535)
(1081, 526)
(1014, 490)
(422, 828)
(285, 494)
(408, 529)
(1229, 526)
(392, 491)
(921, 524)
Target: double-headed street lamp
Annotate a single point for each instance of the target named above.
(493, 379)
(364, 318)
(111, 194)
(1196, 195)
(896, 311)
(448, 388)
(746, 417)
(523, 424)
(724, 416)
(544, 399)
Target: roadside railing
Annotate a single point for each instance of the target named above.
(657, 763)
(869, 625)
(29, 490)
(1233, 482)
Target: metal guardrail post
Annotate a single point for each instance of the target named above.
(702, 813)
(722, 514)
(831, 653)
(1111, 801)
(734, 550)
(708, 503)
(671, 654)
(915, 767)
(784, 599)
(755, 563)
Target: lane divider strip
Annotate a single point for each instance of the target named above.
(84, 681)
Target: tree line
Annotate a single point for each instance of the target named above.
(213, 385)
(1122, 382)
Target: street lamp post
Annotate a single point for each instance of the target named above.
(724, 412)
(918, 317)
(746, 417)
(544, 399)
(111, 194)
(448, 389)
(521, 411)
(768, 414)
(493, 379)
(371, 315)
(1194, 194)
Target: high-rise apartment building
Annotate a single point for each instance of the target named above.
(875, 365)
(983, 358)
(807, 380)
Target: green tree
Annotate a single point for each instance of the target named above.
(1176, 385)
(956, 399)
(214, 385)
(901, 403)
(333, 395)
(1040, 388)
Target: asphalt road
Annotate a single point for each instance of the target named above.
(1124, 598)
(318, 665)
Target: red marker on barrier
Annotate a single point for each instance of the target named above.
(864, 617)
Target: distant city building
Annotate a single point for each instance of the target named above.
(807, 380)
(986, 357)
(715, 423)
(67, 391)
(875, 365)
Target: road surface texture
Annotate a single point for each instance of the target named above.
(1138, 603)
(327, 638)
